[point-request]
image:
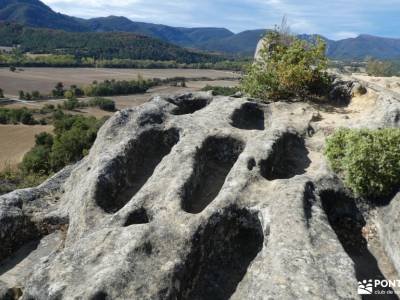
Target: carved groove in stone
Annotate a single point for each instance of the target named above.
(289, 157)
(220, 255)
(249, 116)
(187, 106)
(128, 174)
(212, 164)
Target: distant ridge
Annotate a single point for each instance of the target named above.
(101, 45)
(34, 13)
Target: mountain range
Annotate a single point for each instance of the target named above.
(99, 45)
(35, 13)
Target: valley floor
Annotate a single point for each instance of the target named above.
(16, 140)
(44, 79)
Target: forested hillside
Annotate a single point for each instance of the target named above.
(35, 13)
(105, 45)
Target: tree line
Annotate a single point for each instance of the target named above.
(105, 88)
(66, 61)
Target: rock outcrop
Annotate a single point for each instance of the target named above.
(195, 197)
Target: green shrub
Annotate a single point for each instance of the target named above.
(69, 94)
(114, 87)
(58, 90)
(221, 90)
(71, 103)
(27, 118)
(36, 95)
(287, 68)
(381, 68)
(368, 160)
(44, 139)
(28, 96)
(47, 108)
(74, 135)
(15, 116)
(37, 160)
(103, 103)
(11, 179)
(76, 91)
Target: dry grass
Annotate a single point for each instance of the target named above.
(15, 141)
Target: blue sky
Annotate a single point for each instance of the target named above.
(334, 19)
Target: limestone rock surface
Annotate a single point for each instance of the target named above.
(195, 197)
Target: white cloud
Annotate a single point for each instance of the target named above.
(344, 35)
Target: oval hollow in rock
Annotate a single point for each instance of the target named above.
(221, 252)
(187, 105)
(212, 163)
(130, 171)
(288, 158)
(138, 216)
(249, 117)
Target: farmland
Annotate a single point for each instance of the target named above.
(44, 79)
(16, 140)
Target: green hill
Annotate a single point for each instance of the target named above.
(105, 45)
(35, 13)
(363, 46)
(242, 43)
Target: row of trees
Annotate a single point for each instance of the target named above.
(57, 92)
(102, 103)
(116, 87)
(103, 88)
(54, 60)
(16, 116)
(35, 95)
(386, 68)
